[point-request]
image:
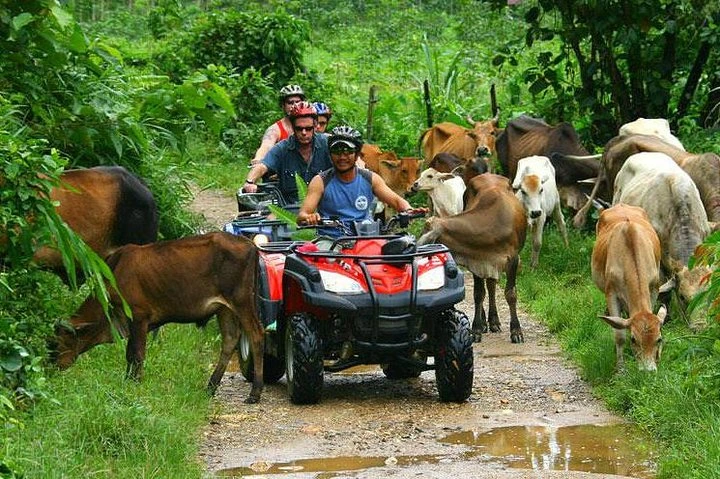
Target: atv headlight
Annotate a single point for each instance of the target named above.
(337, 283)
(433, 279)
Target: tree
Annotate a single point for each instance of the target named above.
(633, 58)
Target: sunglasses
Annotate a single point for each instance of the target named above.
(303, 128)
(341, 150)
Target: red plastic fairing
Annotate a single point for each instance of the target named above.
(275, 265)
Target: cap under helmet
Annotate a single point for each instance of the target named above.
(322, 109)
(291, 90)
(347, 135)
(302, 109)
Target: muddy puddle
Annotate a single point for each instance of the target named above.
(608, 449)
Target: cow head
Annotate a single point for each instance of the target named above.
(430, 179)
(645, 336)
(529, 190)
(400, 175)
(484, 134)
(88, 328)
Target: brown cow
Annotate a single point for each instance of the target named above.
(525, 136)
(466, 143)
(626, 267)
(703, 169)
(106, 206)
(183, 281)
(486, 238)
(399, 173)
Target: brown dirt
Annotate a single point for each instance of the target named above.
(364, 415)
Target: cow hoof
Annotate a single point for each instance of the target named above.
(252, 400)
(495, 328)
(477, 336)
(517, 338)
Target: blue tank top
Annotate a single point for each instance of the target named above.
(348, 201)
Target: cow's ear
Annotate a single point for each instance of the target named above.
(458, 170)
(390, 164)
(616, 321)
(446, 176)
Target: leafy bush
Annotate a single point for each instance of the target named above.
(270, 43)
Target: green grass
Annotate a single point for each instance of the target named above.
(102, 425)
(679, 405)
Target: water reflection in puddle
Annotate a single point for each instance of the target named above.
(614, 449)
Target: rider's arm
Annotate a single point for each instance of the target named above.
(255, 173)
(271, 136)
(388, 196)
(315, 191)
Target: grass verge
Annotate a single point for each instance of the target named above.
(679, 405)
(102, 425)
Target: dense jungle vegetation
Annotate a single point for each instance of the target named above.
(180, 92)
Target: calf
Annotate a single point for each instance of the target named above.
(626, 267)
(656, 183)
(444, 189)
(536, 190)
(183, 281)
(398, 173)
(486, 238)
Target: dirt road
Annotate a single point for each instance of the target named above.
(530, 415)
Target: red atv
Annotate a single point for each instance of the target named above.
(367, 298)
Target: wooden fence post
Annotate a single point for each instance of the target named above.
(428, 104)
(372, 99)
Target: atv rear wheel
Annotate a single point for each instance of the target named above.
(454, 357)
(303, 359)
(273, 367)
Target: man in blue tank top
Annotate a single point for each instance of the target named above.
(346, 191)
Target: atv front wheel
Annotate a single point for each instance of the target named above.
(303, 359)
(454, 357)
(273, 367)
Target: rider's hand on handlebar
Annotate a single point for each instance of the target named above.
(308, 218)
(250, 188)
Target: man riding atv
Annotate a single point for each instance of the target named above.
(345, 191)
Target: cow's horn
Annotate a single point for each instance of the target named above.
(470, 119)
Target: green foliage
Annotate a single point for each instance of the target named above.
(708, 254)
(127, 429)
(230, 38)
(605, 53)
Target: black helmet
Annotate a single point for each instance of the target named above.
(345, 135)
(291, 90)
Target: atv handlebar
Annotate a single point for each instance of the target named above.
(401, 219)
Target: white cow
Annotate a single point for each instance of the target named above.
(446, 191)
(657, 184)
(536, 189)
(658, 127)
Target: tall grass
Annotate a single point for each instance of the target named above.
(102, 425)
(679, 405)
